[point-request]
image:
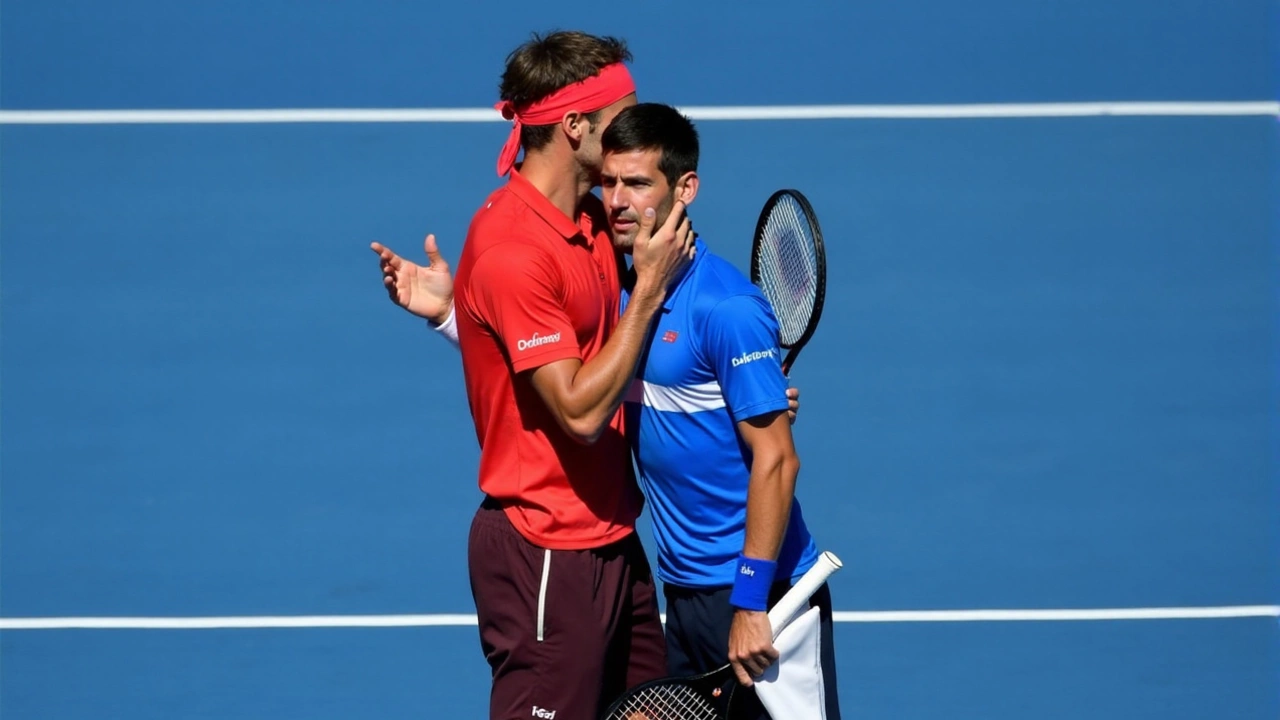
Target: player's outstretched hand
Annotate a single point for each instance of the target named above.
(425, 291)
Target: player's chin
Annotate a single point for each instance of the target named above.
(624, 238)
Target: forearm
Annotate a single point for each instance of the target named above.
(599, 386)
(769, 495)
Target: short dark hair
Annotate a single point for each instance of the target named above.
(549, 62)
(653, 126)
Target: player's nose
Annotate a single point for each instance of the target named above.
(615, 198)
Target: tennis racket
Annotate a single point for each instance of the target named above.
(698, 697)
(789, 264)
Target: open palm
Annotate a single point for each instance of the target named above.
(425, 291)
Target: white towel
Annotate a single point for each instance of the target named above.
(791, 689)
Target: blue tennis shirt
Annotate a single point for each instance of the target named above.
(713, 361)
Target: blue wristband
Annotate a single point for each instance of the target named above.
(751, 583)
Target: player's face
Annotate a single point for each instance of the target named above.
(589, 153)
(630, 183)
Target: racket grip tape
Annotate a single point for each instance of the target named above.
(798, 596)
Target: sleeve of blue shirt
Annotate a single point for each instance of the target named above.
(741, 341)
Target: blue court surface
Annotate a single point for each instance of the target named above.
(1046, 377)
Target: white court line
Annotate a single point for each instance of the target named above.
(877, 616)
(1165, 613)
(757, 112)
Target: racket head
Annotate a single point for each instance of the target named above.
(702, 697)
(789, 265)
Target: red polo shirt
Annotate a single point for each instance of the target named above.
(534, 286)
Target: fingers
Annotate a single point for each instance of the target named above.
(389, 266)
(646, 225)
(752, 665)
(433, 254)
(676, 224)
(793, 403)
(677, 217)
(388, 258)
(680, 228)
(685, 233)
(751, 650)
(757, 663)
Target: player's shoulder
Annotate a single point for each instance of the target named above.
(501, 223)
(721, 285)
(498, 215)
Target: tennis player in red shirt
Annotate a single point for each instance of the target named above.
(566, 602)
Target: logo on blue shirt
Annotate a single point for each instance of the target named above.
(747, 357)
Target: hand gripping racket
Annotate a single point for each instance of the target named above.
(698, 697)
(789, 264)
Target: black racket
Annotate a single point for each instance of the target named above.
(702, 697)
(789, 264)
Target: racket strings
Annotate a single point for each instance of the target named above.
(666, 702)
(789, 269)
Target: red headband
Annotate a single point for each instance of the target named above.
(594, 93)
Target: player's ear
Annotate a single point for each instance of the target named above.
(575, 126)
(687, 187)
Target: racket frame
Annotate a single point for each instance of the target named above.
(820, 266)
(780, 615)
(710, 685)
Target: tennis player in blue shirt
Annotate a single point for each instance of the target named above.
(707, 417)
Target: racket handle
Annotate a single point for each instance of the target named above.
(798, 596)
(788, 361)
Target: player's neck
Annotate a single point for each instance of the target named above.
(559, 178)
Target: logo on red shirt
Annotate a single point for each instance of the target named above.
(535, 341)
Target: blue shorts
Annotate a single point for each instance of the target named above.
(698, 622)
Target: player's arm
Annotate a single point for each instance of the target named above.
(584, 397)
(742, 341)
(774, 467)
(771, 489)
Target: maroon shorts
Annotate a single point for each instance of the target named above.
(565, 631)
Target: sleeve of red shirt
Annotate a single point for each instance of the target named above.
(517, 290)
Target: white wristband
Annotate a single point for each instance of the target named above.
(448, 328)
